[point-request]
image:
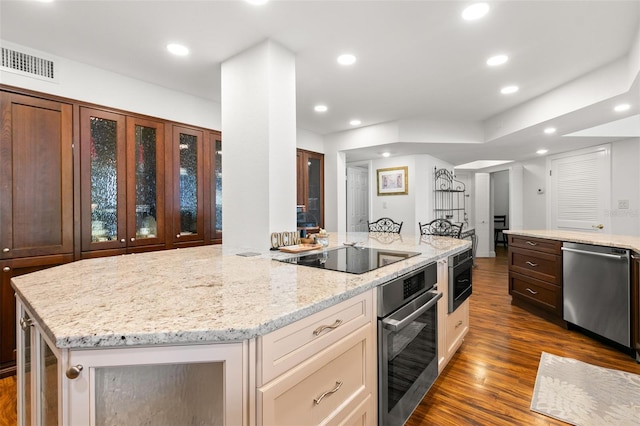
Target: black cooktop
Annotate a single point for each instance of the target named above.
(354, 260)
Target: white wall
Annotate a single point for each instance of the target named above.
(94, 85)
(400, 208)
(534, 201)
(309, 141)
(625, 183)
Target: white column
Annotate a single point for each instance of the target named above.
(259, 145)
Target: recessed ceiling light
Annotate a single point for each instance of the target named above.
(550, 130)
(622, 107)
(497, 60)
(177, 49)
(509, 90)
(257, 2)
(346, 59)
(320, 108)
(475, 11)
(355, 122)
(542, 151)
(386, 154)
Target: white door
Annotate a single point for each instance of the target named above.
(357, 199)
(483, 222)
(579, 184)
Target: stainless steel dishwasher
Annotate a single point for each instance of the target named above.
(597, 292)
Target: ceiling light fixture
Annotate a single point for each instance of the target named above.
(475, 11)
(494, 61)
(177, 49)
(509, 90)
(257, 2)
(355, 122)
(386, 154)
(550, 130)
(320, 108)
(622, 108)
(542, 151)
(346, 59)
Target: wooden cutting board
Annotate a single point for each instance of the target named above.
(300, 248)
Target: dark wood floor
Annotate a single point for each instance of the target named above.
(490, 379)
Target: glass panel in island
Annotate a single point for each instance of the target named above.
(48, 385)
(164, 394)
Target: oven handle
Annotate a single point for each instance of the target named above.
(395, 325)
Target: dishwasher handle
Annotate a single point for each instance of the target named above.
(594, 253)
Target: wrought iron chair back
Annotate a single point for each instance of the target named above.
(385, 224)
(441, 227)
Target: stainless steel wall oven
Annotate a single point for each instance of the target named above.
(407, 343)
(460, 278)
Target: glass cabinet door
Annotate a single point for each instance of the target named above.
(188, 185)
(216, 208)
(24, 375)
(145, 182)
(49, 384)
(103, 169)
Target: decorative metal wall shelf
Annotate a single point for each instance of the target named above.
(449, 197)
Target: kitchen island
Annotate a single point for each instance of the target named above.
(98, 321)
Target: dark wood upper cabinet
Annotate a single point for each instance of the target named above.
(187, 212)
(103, 178)
(310, 185)
(36, 177)
(213, 186)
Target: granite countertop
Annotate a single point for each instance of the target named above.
(609, 240)
(201, 294)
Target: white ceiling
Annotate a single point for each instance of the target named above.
(415, 58)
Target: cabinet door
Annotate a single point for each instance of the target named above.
(36, 177)
(188, 185)
(310, 185)
(145, 183)
(215, 164)
(103, 180)
(7, 320)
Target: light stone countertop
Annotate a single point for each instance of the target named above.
(201, 294)
(608, 240)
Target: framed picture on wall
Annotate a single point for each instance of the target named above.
(393, 181)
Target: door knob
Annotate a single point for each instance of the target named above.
(6, 269)
(6, 250)
(74, 371)
(599, 226)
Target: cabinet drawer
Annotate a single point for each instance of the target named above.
(457, 326)
(537, 244)
(287, 347)
(544, 295)
(344, 373)
(543, 266)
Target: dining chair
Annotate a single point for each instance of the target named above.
(499, 225)
(441, 227)
(385, 224)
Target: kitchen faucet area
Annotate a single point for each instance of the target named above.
(319, 213)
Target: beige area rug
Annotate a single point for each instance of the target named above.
(584, 395)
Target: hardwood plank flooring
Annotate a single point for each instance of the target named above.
(490, 379)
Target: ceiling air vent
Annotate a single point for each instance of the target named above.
(26, 64)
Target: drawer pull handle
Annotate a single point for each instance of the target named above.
(533, 265)
(322, 328)
(459, 324)
(532, 243)
(334, 390)
(531, 291)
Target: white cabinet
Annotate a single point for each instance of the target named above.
(453, 327)
(196, 384)
(326, 365)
